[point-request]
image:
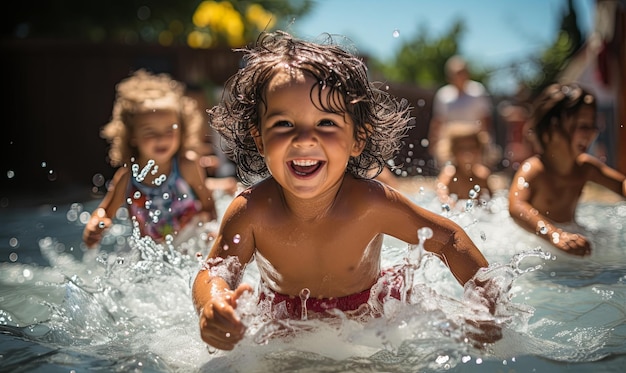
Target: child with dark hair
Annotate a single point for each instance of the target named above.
(545, 190)
(309, 132)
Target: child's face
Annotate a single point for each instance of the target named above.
(156, 135)
(305, 149)
(466, 150)
(583, 129)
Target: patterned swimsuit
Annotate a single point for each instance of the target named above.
(164, 209)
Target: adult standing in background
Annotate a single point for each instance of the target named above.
(461, 100)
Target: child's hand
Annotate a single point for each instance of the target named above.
(483, 296)
(573, 243)
(220, 326)
(95, 227)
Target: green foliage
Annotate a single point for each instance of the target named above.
(125, 21)
(421, 59)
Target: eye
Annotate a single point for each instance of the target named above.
(148, 135)
(283, 123)
(326, 123)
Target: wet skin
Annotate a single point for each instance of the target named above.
(315, 226)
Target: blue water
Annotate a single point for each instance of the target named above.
(127, 306)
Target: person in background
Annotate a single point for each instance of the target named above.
(465, 176)
(544, 192)
(155, 134)
(308, 132)
(462, 100)
(515, 114)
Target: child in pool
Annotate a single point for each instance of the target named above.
(465, 147)
(545, 190)
(154, 127)
(306, 126)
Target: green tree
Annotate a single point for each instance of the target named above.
(421, 59)
(538, 71)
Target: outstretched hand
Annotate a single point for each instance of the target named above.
(97, 224)
(220, 326)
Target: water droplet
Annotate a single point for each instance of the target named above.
(424, 233)
(236, 238)
(98, 180)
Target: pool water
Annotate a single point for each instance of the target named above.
(127, 307)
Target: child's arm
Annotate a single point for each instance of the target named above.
(101, 217)
(443, 184)
(216, 288)
(604, 175)
(529, 218)
(215, 304)
(401, 218)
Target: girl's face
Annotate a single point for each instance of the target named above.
(574, 135)
(306, 149)
(583, 129)
(156, 136)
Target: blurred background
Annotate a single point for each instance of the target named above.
(62, 60)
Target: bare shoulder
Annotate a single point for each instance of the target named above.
(447, 172)
(531, 167)
(370, 191)
(481, 171)
(365, 187)
(189, 168)
(256, 199)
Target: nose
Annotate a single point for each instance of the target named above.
(305, 138)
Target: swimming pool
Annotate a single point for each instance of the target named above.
(127, 307)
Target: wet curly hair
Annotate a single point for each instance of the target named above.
(143, 92)
(554, 104)
(380, 119)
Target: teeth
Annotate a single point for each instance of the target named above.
(305, 162)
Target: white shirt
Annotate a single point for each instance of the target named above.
(471, 105)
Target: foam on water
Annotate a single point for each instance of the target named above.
(128, 307)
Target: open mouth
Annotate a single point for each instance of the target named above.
(305, 167)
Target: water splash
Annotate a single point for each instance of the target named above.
(550, 311)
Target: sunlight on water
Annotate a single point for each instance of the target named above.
(128, 306)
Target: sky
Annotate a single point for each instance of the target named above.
(497, 32)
